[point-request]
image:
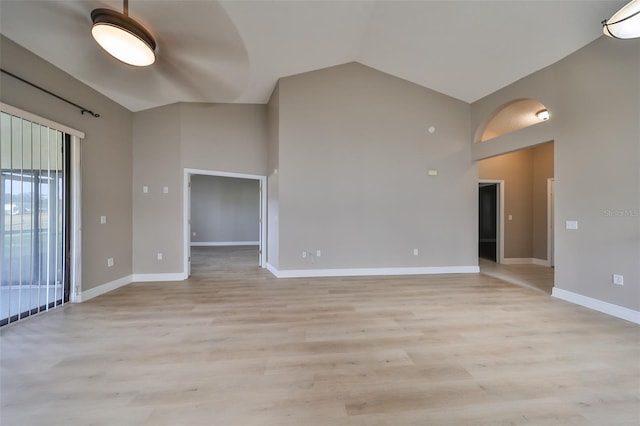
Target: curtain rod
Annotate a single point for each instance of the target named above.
(80, 107)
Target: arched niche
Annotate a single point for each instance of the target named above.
(512, 116)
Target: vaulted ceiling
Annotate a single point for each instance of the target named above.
(235, 51)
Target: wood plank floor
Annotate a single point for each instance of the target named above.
(235, 346)
(535, 277)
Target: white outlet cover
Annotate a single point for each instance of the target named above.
(572, 224)
(318, 253)
(110, 262)
(618, 279)
(103, 220)
(165, 189)
(145, 189)
(415, 252)
(159, 256)
(304, 254)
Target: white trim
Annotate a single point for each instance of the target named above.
(76, 223)
(429, 270)
(104, 288)
(518, 261)
(185, 215)
(597, 305)
(146, 278)
(551, 204)
(120, 282)
(40, 120)
(541, 262)
(272, 269)
(500, 248)
(525, 261)
(225, 243)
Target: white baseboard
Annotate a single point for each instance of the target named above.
(104, 288)
(145, 278)
(541, 262)
(597, 305)
(429, 270)
(225, 243)
(272, 269)
(525, 261)
(120, 282)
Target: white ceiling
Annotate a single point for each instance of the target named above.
(235, 51)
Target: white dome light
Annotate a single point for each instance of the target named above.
(625, 23)
(122, 37)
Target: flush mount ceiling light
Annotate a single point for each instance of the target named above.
(625, 23)
(543, 114)
(122, 37)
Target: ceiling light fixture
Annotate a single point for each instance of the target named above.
(543, 114)
(625, 23)
(122, 37)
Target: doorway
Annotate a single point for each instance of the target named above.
(188, 214)
(490, 242)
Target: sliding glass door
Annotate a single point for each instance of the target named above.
(34, 188)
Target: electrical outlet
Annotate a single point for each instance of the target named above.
(110, 262)
(103, 220)
(165, 190)
(159, 256)
(318, 253)
(145, 189)
(618, 279)
(304, 254)
(415, 252)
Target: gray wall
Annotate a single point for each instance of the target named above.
(224, 209)
(224, 137)
(594, 99)
(525, 173)
(273, 187)
(166, 140)
(353, 157)
(157, 217)
(105, 155)
(542, 171)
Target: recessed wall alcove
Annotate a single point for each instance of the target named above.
(512, 116)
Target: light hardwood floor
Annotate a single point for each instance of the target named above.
(235, 346)
(535, 277)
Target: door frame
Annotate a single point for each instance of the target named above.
(262, 260)
(499, 217)
(551, 183)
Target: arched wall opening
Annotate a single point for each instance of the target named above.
(510, 117)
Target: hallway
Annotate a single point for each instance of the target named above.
(535, 277)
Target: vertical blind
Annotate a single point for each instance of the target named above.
(32, 227)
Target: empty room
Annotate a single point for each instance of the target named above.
(320, 212)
